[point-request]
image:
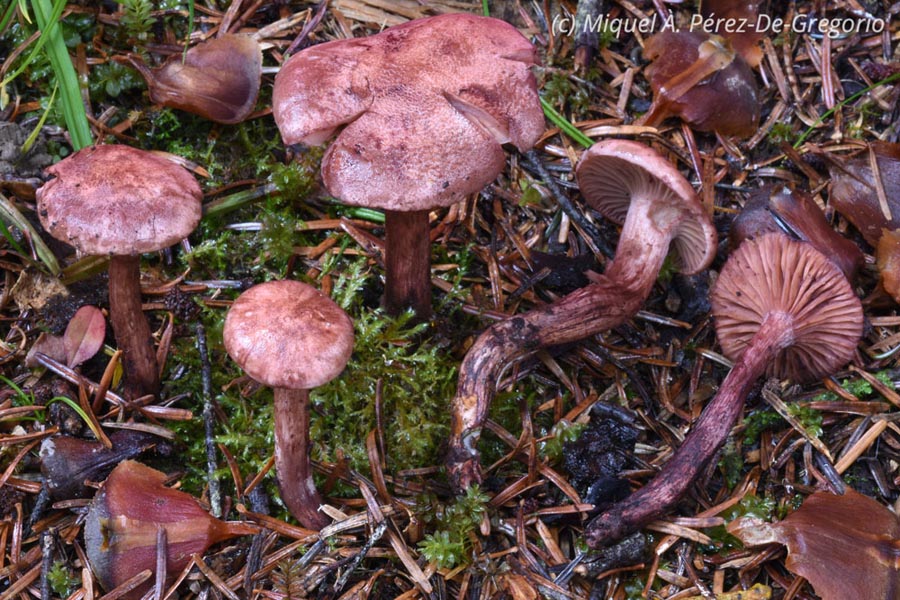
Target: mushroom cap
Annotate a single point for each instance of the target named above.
(119, 200)
(727, 101)
(425, 106)
(612, 172)
(286, 334)
(774, 274)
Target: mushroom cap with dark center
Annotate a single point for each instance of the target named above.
(426, 107)
(612, 172)
(119, 200)
(286, 334)
(777, 275)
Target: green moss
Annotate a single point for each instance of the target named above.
(448, 545)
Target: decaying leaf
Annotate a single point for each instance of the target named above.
(870, 203)
(845, 546)
(218, 79)
(888, 260)
(84, 335)
(745, 40)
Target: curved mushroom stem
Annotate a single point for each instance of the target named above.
(702, 443)
(609, 301)
(407, 263)
(292, 464)
(131, 328)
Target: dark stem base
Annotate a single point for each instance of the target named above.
(130, 327)
(407, 263)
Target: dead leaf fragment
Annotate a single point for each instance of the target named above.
(84, 335)
(845, 546)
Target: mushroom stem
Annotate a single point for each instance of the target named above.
(131, 328)
(702, 443)
(407, 262)
(292, 464)
(610, 300)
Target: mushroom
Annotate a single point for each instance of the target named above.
(291, 337)
(630, 184)
(121, 202)
(699, 78)
(795, 213)
(781, 309)
(845, 545)
(425, 108)
(217, 79)
(123, 524)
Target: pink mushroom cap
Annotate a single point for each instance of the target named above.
(425, 108)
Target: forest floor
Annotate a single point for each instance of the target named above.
(625, 398)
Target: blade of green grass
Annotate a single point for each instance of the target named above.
(841, 104)
(564, 125)
(33, 136)
(73, 107)
(485, 9)
(10, 215)
(38, 46)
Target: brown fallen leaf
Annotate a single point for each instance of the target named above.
(845, 546)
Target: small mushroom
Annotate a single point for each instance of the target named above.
(291, 337)
(781, 309)
(795, 213)
(217, 79)
(845, 545)
(698, 78)
(425, 108)
(123, 522)
(121, 202)
(630, 184)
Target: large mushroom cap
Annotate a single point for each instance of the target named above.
(286, 334)
(612, 172)
(119, 200)
(426, 105)
(774, 274)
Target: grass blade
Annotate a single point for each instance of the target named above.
(73, 107)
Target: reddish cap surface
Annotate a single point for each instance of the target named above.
(287, 334)
(119, 200)
(612, 172)
(426, 106)
(775, 274)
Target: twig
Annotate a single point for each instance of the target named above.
(215, 495)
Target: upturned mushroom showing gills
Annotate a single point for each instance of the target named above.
(781, 309)
(424, 109)
(698, 78)
(291, 337)
(631, 184)
(121, 202)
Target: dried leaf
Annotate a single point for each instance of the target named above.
(84, 335)
(218, 79)
(854, 191)
(888, 261)
(846, 546)
(51, 345)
